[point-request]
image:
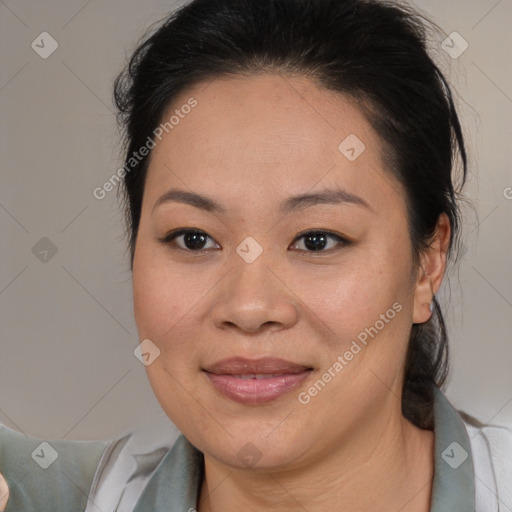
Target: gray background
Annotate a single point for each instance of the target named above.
(67, 333)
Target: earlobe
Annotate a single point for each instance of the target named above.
(431, 271)
(423, 300)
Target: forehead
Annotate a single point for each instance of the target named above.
(267, 132)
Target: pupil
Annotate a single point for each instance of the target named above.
(194, 240)
(315, 242)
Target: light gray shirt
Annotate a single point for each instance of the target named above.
(159, 470)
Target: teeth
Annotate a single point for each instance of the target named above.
(258, 376)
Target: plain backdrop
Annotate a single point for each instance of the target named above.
(67, 334)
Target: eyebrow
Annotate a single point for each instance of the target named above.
(300, 202)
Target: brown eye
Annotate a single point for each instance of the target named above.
(192, 240)
(317, 241)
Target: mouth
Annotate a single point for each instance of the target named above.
(256, 381)
(259, 376)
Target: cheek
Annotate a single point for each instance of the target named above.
(170, 307)
(163, 307)
(349, 297)
(362, 310)
(162, 294)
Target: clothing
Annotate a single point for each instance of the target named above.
(157, 469)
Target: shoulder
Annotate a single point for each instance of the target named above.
(128, 464)
(58, 473)
(101, 475)
(491, 447)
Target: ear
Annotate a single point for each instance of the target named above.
(431, 270)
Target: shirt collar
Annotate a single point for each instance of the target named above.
(175, 484)
(454, 482)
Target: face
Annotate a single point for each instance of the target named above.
(322, 282)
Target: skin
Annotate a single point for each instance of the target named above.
(250, 143)
(4, 493)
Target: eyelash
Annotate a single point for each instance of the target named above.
(169, 238)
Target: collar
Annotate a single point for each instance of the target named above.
(454, 483)
(175, 484)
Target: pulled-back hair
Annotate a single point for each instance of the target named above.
(374, 52)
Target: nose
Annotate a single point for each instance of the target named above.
(255, 297)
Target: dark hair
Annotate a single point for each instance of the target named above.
(372, 51)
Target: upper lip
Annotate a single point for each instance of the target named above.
(244, 366)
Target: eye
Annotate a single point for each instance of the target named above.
(192, 240)
(317, 241)
(195, 240)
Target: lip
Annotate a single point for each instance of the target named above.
(269, 378)
(266, 365)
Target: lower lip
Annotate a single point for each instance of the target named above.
(256, 391)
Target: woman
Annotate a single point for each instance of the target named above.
(291, 202)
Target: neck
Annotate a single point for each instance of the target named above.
(385, 466)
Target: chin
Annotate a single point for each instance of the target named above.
(252, 448)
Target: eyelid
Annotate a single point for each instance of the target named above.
(343, 241)
(169, 238)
